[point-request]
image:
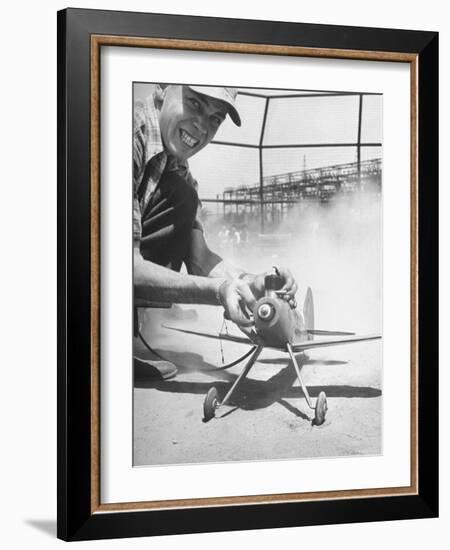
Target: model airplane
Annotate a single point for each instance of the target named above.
(277, 325)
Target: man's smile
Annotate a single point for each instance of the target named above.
(188, 140)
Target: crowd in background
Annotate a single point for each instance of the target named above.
(233, 237)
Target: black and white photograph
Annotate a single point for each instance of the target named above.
(257, 273)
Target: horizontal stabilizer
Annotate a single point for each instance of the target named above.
(227, 337)
(330, 333)
(311, 344)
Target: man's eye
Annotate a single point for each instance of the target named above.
(194, 103)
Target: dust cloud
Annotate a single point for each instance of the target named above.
(336, 249)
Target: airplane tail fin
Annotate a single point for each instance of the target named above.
(308, 312)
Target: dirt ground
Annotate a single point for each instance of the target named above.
(269, 417)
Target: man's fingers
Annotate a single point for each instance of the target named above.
(289, 280)
(290, 286)
(240, 300)
(247, 297)
(289, 292)
(236, 309)
(238, 317)
(293, 290)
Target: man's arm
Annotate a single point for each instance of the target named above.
(203, 261)
(154, 283)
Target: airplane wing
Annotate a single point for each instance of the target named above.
(316, 332)
(311, 344)
(227, 337)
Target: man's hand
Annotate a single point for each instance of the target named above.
(238, 301)
(287, 292)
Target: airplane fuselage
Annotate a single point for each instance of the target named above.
(276, 323)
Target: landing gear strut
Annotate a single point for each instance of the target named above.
(211, 403)
(320, 408)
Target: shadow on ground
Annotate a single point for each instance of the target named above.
(251, 394)
(186, 363)
(47, 526)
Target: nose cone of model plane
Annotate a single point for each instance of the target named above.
(266, 312)
(273, 321)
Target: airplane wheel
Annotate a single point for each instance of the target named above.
(210, 404)
(321, 409)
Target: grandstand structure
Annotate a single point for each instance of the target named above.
(273, 199)
(339, 132)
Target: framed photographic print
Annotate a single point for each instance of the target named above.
(247, 248)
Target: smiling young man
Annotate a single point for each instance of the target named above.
(174, 123)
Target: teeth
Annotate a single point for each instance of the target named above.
(188, 139)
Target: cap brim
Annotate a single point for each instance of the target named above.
(210, 91)
(234, 115)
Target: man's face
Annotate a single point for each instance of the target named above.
(189, 120)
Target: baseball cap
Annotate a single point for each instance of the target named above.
(228, 95)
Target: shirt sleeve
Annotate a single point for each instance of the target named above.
(138, 165)
(139, 138)
(137, 225)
